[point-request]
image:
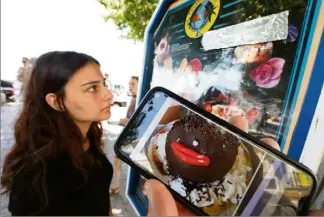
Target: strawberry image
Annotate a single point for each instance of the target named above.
(195, 65)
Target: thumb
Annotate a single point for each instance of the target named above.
(161, 202)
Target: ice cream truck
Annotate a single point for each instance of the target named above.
(258, 59)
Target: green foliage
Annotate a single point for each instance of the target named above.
(257, 8)
(130, 16)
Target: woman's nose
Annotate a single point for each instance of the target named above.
(109, 96)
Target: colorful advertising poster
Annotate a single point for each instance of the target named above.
(258, 81)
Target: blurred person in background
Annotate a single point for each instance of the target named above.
(133, 84)
(21, 69)
(25, 71)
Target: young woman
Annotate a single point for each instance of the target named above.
(57, 165)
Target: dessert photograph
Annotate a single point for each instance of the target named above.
(254, 53)
(227, 105)
(202, 162)
(216, 170)
(229, 82)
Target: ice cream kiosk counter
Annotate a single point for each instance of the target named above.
(258, 59)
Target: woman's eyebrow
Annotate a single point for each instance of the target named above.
(91, 82)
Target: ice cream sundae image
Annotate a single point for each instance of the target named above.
(227, 112)
(253, 114)
(221, 105)
(254, 53)
(203, 163)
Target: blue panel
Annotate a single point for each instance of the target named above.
(137, 199)
(300, 55)
(310, 102)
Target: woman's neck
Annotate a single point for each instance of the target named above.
(84, 128)
(86, 144)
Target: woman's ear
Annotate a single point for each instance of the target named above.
(52, 101)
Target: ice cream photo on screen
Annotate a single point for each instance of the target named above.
(213, 168)
(186, 154)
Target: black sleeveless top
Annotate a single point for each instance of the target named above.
(67, 193)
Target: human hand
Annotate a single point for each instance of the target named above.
(161, 201)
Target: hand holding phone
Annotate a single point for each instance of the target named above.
(210, 166)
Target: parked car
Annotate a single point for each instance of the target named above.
(120, 100)
(121, 97)
(3, 98)
(8, 89)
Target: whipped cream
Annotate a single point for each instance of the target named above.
(160, 140)
(202, 197)
(231, 188)
(177, 185)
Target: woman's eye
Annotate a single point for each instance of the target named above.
(92, 89)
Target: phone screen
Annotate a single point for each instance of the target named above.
(215, 169)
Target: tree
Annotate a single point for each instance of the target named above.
(257, 8)
(130, 16)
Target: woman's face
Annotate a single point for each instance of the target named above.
(86, 98)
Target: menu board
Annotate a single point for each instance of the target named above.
(258, 81)
(266, 81)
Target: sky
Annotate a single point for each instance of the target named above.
(33, 27)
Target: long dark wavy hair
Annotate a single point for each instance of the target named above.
(41, 132)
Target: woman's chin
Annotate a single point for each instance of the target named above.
(105, 116)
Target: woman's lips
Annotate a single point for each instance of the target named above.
(106, 108)
(189, 156)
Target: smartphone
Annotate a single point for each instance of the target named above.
(210, 166)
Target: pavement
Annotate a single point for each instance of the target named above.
(120, 204)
